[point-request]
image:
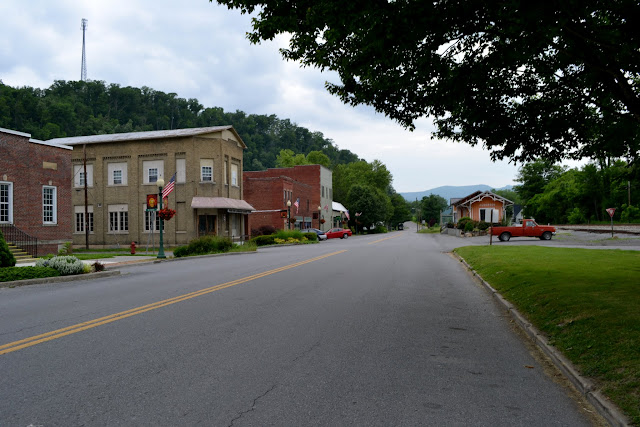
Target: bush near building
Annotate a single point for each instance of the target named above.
(6, 257)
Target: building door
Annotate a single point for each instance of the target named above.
(206, 225)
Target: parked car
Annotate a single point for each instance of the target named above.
(341, 233)
(529, 228)
(321, 234)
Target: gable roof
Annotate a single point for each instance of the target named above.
(140, 136)
(479, 195)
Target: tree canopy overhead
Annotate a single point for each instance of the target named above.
(553, 79)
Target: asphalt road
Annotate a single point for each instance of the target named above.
(373, 330)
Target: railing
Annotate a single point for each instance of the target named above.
(14, 235)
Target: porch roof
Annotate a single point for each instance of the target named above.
(221, 203)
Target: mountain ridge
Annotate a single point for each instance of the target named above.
(450, 191)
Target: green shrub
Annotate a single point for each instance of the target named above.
(289, 234)
(311, 236)
(66, 249)
(10, 274)
(66, 265)
(483, 225)
(630, 213)
(380, 229)
(6, 257)
(462, 222)
(264, 240)
(181, 251)
(576, 217)
(263, 230)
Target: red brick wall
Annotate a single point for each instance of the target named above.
(22, 163)
(267, 193)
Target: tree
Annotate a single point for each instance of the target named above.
(431, 206)
(374, 174)
(534, 176)
(374, 204)
(525, 79)
(6, 257)
(401, 209)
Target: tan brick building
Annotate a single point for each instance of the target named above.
(122, 170)
(35, 193)
(268, 192)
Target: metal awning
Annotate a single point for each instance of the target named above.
(239, 206)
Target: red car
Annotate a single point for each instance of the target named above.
(342, 233)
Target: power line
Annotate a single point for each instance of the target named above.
(83, 72)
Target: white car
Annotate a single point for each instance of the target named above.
(321, 234)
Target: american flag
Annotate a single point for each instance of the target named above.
(297, 204)
(347, 214)
(169, 187)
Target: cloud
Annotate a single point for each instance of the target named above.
(199, 49)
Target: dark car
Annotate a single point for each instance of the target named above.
(341, 233)
(401, 226)
(321, 234)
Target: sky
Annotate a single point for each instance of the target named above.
(199, 49)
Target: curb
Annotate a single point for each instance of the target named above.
(585, 386)
(59, 279)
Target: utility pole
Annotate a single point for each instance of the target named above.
(86, 199)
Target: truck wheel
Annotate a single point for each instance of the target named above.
(546, 235)
(345, 235)
(504, 237)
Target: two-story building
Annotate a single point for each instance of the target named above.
(122, 170)
(35, 193)
(269, 191)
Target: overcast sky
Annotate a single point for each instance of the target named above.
(198, 49)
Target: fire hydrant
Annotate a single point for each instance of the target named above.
(133, 248)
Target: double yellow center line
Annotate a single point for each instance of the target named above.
(59, 333)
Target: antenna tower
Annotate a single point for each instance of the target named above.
(83, 72)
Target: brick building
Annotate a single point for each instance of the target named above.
(123, 169)
(269, 191)
(35, 193)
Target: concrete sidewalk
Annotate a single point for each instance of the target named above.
(110, 262)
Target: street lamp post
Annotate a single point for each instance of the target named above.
(160, 183)
(288, 214)
(319, 217)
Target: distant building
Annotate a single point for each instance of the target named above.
(269, 191)
(123, 169)
(35, 193)
(480, 206)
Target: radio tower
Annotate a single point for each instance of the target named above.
(83, 73)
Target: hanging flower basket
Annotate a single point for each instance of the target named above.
(322, 221)
(292, 220)
(166, 214)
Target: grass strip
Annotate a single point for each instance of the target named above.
(586, 301)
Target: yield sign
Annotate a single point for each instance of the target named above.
(611, 211)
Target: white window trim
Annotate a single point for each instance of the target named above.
(77, 170)
(236, 167)
(181, 171)
(152, 164)
(111, 170)
(54, 205)
(10, 202)
(80, 210)
(119, 210)
(207, 163)
(144, 219)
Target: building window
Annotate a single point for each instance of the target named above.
(49, 205)
(79, 211)
(6, 202)
(323, 191)
(153, 175)
(152, 170)
(226, 168)
(234, 175)
(118, 218)
(206, 170)
(79, 176)
(117, 173)
(151, 220)
(181, 170)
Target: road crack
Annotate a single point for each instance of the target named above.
(253, 405)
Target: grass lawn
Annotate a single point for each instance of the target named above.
(587, 301)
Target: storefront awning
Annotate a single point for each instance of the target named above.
(240, 206)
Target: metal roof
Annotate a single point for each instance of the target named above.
(138, 136)
(220, 203)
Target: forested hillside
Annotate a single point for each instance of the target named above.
(74, 108)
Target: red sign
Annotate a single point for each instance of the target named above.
(152, 201)
(611, 211)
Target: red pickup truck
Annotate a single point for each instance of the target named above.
(529, 228)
